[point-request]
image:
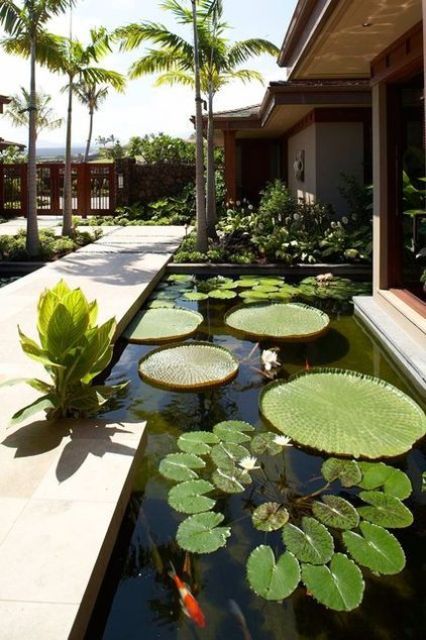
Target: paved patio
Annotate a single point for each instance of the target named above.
(64, 488)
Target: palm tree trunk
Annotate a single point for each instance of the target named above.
(211, 175)
(67, 227)
(202, 242)
(89, 137)
(32, 241)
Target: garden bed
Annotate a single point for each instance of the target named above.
(345, 270)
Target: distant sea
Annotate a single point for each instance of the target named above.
(58, 153)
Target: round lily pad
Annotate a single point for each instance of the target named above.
(377, 475)
(385, 510)
(231, 479)
(180, 466)
(161, 304)
(347, 471)
(270, 516)
(189, 497)
(198, 442)
(269, 578)
(201, 533)
(189, 366)
(265, 443)
(222, 294)
(228, 454)
(344, 412)
(336, 512)
(313, 543)
(162, 325)
(339, 587)
(195, 296)
(376, 549)
(291, 322)
(233, 431)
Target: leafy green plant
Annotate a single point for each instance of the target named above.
(13, 248)
(162, 148)
(312, 527)
(73, 350)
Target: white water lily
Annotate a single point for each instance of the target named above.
(249, 463)
(270, 359)
(283, 441)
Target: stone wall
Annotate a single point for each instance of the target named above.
(146, 183)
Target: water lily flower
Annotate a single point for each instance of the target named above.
(283, 441)
(249, 463)
(270, 359)
(345, 220)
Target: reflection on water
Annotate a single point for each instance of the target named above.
(138, 599)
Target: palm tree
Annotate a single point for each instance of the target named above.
(24, 24)
(91, 96)
(79, 64)
(18, 111)
(220, 62)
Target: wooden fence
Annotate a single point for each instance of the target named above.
(93, 189)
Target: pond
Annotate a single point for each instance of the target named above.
(4, 280)
(138, 598)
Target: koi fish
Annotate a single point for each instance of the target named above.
(189, 604)
(240, 617)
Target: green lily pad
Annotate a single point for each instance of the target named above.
(265, 443)
(245, 283)
(347, 471)
(344, 413)
(336, 512)
(161, 304)
(195, 296)
(376, 549)
(385, 510)
(254, 296)
(162, 325)
(193, 365)
(292, 322)
(197, 442)
(189, 497)
(179, 277)
(222, 294)
(227, 454)
(180, 466)
(271, 579)
(231, 479)
(339, 587)
(233, 431)
(270, 516)
(271, 281)
(201, 533)
(313, 543)
(265, 288)
(377, 475)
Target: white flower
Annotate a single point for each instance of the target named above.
(270, 359)
(296, 216)
(250, 207)
(249, 463)
(345, 220)
(283, 441)
(238, 203)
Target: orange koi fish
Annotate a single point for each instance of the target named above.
(189, 605)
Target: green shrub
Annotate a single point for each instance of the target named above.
(73, 350)
(12, 248)
(161, 148)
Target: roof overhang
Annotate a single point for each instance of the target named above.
(4, 144)
(3, 100)
(340, 38)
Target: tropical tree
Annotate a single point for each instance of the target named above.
(174, 60)
(91, 96)
(25, 26)
(79, 63)
(18, 111)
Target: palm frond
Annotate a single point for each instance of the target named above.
(158, 61)
(242, 51)
(11, 18)
(175, 77)
(98, 75)
(182, 14)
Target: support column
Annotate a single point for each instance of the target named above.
(230, 165)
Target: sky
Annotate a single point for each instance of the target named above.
(144, 108)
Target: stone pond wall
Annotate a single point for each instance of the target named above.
(144, 183)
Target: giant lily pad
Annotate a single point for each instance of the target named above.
(312, 543)
(344, 412)
(189, 497)
(339, 587)
(189, 366)
(201, 533)
(271, 579)
(162, 325)
(291, 322)
(376, 549)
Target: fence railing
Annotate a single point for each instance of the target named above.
(93, 189)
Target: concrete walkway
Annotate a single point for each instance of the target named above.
(64, 488)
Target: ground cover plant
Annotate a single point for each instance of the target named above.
(52, 246)
(74, 350)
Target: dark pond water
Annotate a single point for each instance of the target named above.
(138, 600)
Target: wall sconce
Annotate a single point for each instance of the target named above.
(120, 181)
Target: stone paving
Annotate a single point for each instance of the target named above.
(64, 487)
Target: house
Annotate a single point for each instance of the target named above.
(6, 143)
(308, 133)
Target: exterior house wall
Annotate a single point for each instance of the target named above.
(305, 140)
(331, 148)
(340, 150)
